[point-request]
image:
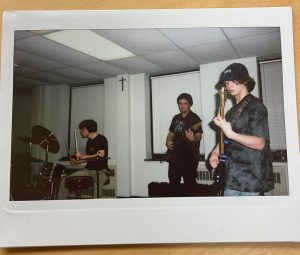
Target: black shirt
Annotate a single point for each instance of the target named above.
(249, 170)
(178, 127)
(92, 147)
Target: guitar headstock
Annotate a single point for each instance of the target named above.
(196, 126)
(222, 100)
(223, 96)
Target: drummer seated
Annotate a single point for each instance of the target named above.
(95, 158)
(85, 172)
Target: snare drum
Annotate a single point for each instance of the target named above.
(52, 172)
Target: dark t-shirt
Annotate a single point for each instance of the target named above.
(92, 147)
(179, 125)
(249, 170)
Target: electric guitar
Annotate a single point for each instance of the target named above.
(170, 153)
(219, 175)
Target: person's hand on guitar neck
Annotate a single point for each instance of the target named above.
(224, 125)
(250, 141)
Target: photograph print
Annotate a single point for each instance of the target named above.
(148, 112)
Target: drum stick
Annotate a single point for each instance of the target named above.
(76, 144)
(69, 153)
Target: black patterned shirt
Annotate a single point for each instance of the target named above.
(179, 125)
(249, 170)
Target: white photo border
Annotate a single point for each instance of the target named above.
(145, 220)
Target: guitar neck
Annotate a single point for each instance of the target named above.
(221, 144)
(222, 107)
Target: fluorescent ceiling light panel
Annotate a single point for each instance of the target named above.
(40, 32)
(90, 43)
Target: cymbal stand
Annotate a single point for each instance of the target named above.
(98, 182)
(48, 186)
(47, 146)
(46, 153)
(28, 181)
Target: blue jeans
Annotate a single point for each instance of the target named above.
(230, 193)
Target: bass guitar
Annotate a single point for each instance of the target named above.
(170, 153)
(219, 174)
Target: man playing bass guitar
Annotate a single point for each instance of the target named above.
(249, 170)
(183, 141)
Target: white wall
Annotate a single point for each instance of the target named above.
(87, 103)
(127, 128)
(117, 130)
(110, 117)
(21, 121)
(50, 109)
(210, 74)
(142, 172)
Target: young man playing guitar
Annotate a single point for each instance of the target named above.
(249, 169)
(183, 141)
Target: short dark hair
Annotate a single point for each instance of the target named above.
(185, 96)
(90, 125)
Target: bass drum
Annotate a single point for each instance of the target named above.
(51, 172)
(49, 180)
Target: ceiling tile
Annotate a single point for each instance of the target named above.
(187, 37)
(23, 34)
(48, 49)
(34, 62)
(103, 69)
(76, 74)
(139, 41)
(269, 45)
(237, 32)
(22, 70)
(51, 78)
(135, 65)
(212, 52)
(173, 60)
(39, 60)
(29, 83)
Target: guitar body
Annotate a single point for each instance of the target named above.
(220, 175)
(170, 154)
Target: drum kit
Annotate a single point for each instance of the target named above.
(51, 174)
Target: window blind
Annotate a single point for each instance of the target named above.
(272, 94)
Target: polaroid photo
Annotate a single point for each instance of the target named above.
(89, 141)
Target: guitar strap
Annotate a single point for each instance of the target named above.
(239, 111)
(245, 102)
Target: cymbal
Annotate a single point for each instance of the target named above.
(47, 138)
(33, 140)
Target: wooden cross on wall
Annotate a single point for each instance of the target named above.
(122, 80)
